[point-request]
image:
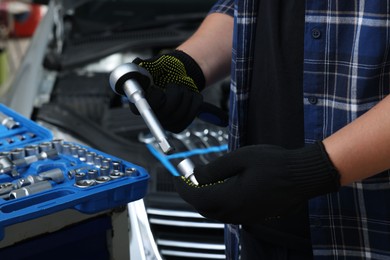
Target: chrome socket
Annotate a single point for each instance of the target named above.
(116, 174)
(186, 168)
(31, 189)
(85, 183)
(56, 175)
(102, 179)
(92, 174)
(131, 172)
(104, 171)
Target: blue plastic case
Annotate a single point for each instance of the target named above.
(40, 176)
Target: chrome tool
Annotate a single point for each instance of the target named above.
(128, 79)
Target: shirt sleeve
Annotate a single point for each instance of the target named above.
(224, 7)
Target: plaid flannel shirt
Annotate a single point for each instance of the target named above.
(346, 72)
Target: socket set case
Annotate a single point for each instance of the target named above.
(40, 176)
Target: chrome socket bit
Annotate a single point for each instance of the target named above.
(82, 154)
(74, 151)
(186, 168)
(8, 121)
(98, 161)
(102, 179)
(85, 183)
(107, 162)
(44, 147)
(8, 167)
(116, 166)
(6, 187)
(104, 171)
(31, 150)
(92, 174)
(90, 158)
(71, 173)
(66, 149)
(25, 181)
(31, 189)
(131, 172)
(116, 174)
(56, 175)
(80, 176)
(17, 153)
(57, 144)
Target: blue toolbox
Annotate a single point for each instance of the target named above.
(40, 175)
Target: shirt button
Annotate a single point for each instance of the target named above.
(315, 33)
(312, 100)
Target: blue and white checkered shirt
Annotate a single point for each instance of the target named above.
(346, 72)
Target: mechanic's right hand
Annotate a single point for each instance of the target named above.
(259, 182)
(174, 95)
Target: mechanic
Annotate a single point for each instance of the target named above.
(306, 176)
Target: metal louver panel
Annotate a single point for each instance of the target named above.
(181, 234)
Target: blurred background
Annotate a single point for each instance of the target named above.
(18, 22)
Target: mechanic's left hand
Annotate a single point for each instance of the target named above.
(258, 182)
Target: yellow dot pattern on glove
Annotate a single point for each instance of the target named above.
(168, 69)
(190, 183)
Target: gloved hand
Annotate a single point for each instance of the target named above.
(258, 182)
(175, 95)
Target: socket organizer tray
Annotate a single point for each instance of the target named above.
(40, 176)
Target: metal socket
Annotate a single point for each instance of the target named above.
(31, 189)
(186, 168)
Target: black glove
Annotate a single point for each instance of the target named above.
(257, 182)
(175, 93)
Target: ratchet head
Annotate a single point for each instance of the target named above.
(129, 71)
